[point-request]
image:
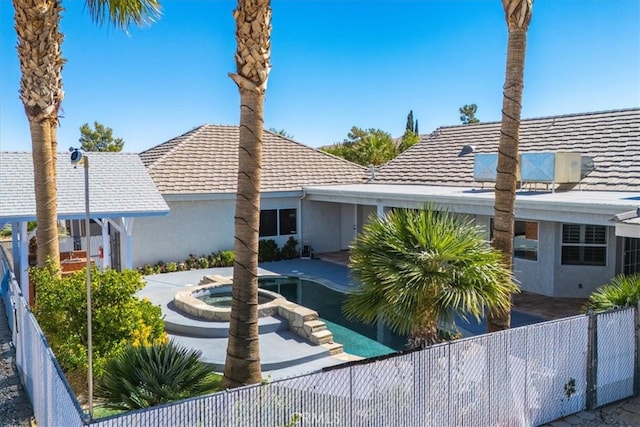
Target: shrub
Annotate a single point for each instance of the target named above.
(171, 267)
(120, 318)
(621, 291)
(267, 250)
(289, 250)
(227, 258)
(191, 262)
(140, 377)
(203, 262)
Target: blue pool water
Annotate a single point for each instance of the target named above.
(356, 337)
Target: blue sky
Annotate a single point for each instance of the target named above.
(336, 64)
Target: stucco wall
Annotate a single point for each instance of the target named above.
(321, 223)
(569, 278)
(194, 227)
(538, 276)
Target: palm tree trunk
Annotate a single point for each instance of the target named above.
(518, 15)
(37, 24)
(45, 193)
(253, 30)
(242, 364)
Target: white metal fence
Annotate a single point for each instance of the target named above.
(523, 376)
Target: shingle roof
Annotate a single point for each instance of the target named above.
(119, 185)
(205, 161)
(612, 138)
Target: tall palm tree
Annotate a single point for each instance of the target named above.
(417, 268)
(253, 32)
(37, 24)
(518, 16)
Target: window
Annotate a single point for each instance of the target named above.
(274, 222)
(584, 244)
(288, 222)
(268, 223)
(525, 239)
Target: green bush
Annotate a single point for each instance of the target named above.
(171, 267)
(191, 262)
(227, 258)
(145, 376)
(621, 291)
(289, 250)
(119, 317)
(203, 262)
(267, 250)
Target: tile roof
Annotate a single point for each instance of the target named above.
(612, 138)
(119, 185)
(205, 161)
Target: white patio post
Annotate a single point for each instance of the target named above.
(15, 245)
(106, 244)
(380, 210)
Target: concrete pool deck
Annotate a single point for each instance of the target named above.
(282, 353)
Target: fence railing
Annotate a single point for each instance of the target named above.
(524, 376)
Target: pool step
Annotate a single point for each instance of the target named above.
(321, 337)
(334, 348)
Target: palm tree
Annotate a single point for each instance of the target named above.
(37, 24)
(253, 32)
(144, 376)
(518, 16)
(621, 291)
(417, 268)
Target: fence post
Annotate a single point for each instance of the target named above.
(592, 361)
(636, 371)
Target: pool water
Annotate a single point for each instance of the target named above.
(354, 343)
(356, 337)
(223, 299)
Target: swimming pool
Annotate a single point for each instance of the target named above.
(356, 337)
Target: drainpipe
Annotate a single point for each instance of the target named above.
(299, 219)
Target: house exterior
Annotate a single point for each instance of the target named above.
(577, 173)
(196, 174)
(120, 191)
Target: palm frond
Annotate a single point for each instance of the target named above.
(123, 13)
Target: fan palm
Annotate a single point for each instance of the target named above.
(37, 24)
(253, 32)
(417, 268)
(621, 291)
(145, 376)
(518, 16)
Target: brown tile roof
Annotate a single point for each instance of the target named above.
(205, 161)
(612, 138)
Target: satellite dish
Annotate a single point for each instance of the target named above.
(76, 156)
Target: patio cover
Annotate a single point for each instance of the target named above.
(119, 188)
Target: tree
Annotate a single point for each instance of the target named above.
(37, 25)
(365, 147)
(518, 16)
(253, 33)
(417, 268)
(281, 132)
(120, 318)
(468, 114)
(143, 376)
(410, 136)
(621, 291)
(100, 139)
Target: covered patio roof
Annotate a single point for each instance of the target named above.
(119, 188)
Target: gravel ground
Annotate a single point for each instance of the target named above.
(15, 408)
